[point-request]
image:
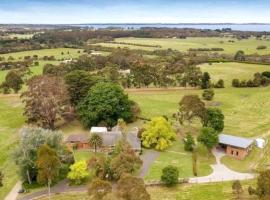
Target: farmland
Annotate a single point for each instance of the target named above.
(248, 45)
(57, 53)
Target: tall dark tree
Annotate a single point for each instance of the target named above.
(214, 119)
(206, 81)
(79, 83)
(105, 103)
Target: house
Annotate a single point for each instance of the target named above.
(109, 139)
(237, 147)
(79, 141)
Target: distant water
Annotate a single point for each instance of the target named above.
(238, 27)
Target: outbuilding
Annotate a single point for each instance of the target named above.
(237, 147)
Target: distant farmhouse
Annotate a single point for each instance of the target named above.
(237, 147)
(109, 139)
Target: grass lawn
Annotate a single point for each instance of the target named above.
(57, 52)
(229, 71)
(11, 120)
(178, 157)
(248, 46)
(246, 110)
(84, 155)
(221, 191)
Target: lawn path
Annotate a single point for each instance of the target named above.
(13, 194)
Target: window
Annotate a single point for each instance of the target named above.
(237, 153)
(232, 152)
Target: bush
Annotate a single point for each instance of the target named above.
(261, 47)
(78, 173)
(219, 84)
(189, 142)
(208, 94)
(170, 175)
(235, 83)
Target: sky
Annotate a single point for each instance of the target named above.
(134, 11)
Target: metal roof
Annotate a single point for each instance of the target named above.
(77, 138)
(235, 141)
(98, 130)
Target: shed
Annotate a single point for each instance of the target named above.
(238, 147)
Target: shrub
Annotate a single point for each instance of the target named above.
(208, 94)
(189, 142)
(219, 84)
(78, 173)
(261, 47)
(235, 83)
(170, 175)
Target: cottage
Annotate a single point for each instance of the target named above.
(109, 139)
(237, 147)
(79, 141)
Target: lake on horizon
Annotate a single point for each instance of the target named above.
(238, 27)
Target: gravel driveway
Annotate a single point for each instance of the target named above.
(221, 172)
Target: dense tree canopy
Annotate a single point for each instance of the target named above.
(79, 83)
(208, 137)
(158, 134)
(105, 103)
(214, 119)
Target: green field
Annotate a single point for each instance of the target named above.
(248, 46)
(73, 53)
(178, 157)
(229, 71)
(221, 191)
(246, 110)
(11, 120)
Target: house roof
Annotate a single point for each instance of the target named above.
(235, 141)
(98, 130)
(77, 138)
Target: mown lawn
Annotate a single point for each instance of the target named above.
(178, 157)
(213, 191)
(248, 46)
(11, 120)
